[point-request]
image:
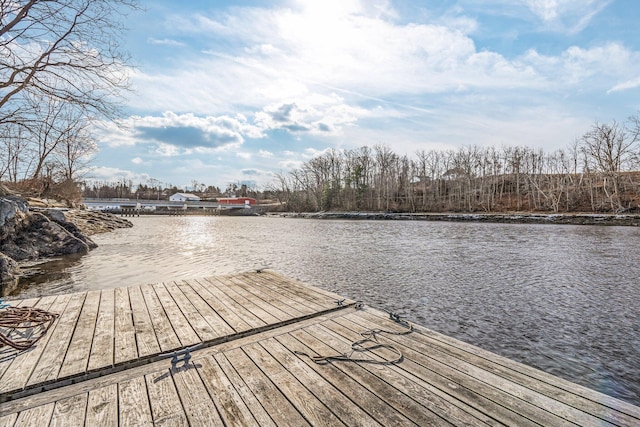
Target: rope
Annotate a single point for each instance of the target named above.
(369, 342)
(23, 322)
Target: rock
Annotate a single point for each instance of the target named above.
(60, 218)
(9, 272)
(41, 233)
(10, 206)
(37, 236)
(95, 222)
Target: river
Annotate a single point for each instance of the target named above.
(557, 297)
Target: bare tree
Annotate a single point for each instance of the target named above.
(610, 149)
(74, 152)
(65, 49)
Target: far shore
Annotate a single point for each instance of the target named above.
(509, 218)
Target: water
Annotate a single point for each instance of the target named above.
(560, 298)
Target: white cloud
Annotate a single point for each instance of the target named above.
(315, 115)
(626, 85)
(290, 164)
(167, 150)
(165, 42)
(570, 16)
(597, 65)
(287, 55)
(136, 160)
(109, 174)
(180, 133)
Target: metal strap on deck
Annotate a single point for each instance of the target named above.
(369, 342)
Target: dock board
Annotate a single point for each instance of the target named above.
(99, 332)
(260, 332)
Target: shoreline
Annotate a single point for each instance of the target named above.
(627, 220)
(35, 234)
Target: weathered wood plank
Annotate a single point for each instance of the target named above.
(335, 374)
(233, 410)
(199, 325)
(77, 357)
(289, 292)
(305, 402)
(70, 412)
(125, 344)
(249, 312)
(410, 377)
(315, 293)
(545, 394)
(269, 396)
(8, 354)
(145, 335)
(103, 348)
(381, 400)
(238, 318)
(432, 391)
(133, 403)
(481, 396)
(235, 380)
(166, 408)
(311, 295)
(214, 322)
(8, 420)
(268, 300)
(165, 334)
(198, 405)
(102, 407)
(181, 326)
(332, 398)
(38, 416)
(24, 362)
(57, 346)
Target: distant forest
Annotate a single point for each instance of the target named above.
(599, 172)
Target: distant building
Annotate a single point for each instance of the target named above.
(184, 197)
(247, 201)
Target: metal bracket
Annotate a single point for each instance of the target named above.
(395, 317)
(185, 353)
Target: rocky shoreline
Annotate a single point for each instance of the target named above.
(29, 233)
(508, 218)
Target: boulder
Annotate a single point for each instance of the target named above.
(28, 233)
(36, 236)
(60, 218)
(9, 272)
(10, 207)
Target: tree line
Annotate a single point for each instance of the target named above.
(156, 190)
(596, 173)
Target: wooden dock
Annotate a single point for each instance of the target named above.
(107, 360)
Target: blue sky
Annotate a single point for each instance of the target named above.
(235, 92)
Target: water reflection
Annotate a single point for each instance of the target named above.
(561, 298)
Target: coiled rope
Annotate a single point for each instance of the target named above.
(369, 342)
(22, 327)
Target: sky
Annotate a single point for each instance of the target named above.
(228, 92)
